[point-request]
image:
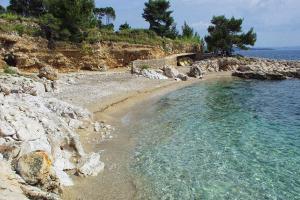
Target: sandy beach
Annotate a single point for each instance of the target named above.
(98, 92)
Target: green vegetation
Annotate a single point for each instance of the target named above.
(81, 22)
(225, 34)
(2, 9)
(188, 33)
(145, 67)
(75, 16)
(110, 15)
(8, 70)
(17, 26)
(124, 26)
(157, 13)
(27, 8)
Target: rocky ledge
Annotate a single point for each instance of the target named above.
(263, 69)
(39, 145)
(252, 68)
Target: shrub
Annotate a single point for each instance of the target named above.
(9, 16)
(86, 48)
(93, 36)
(8, 70)
(145, 67)
(20, 29)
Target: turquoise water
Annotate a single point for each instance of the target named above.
(228, 139)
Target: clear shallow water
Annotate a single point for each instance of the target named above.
(230, 139)
(272, 54)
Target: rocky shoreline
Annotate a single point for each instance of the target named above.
(39, 144)
(252, 68)
(248, 68)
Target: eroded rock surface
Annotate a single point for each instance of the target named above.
(251, 68)
(38, 138)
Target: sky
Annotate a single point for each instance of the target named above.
(276, 22)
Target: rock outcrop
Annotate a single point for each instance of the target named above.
(170, 72)
(250, 68)
(268, 70)
(37, 134)
(48, 73)
(32, 53)
(10, 186)
(152, 74)
(195, 71)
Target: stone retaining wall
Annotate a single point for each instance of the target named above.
(159, 63)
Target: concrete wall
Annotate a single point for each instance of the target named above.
(160, 63)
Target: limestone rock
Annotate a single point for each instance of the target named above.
(9, 184)
(6, 129)
(170, 72)
(152, 74)
(36, 193)
(90, 165)
(34, 167)
(196, 72)
(49, 73)
(182, 77)
(19, 84)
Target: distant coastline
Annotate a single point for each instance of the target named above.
(261, 49)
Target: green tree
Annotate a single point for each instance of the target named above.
(108, 12)
(27, 7)
(187, 31)
(50, 27)
(2, 9)
(76, 16)
(157, 13)
(225, 34)
(124, 26)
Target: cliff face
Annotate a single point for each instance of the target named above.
(31, 53)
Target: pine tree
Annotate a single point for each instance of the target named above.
(27, 8)
(225, 34)
(157, 13)
(187, 31)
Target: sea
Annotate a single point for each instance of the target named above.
(279, 54)
(222, 139)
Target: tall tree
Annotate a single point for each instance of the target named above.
(2, 9)
(108, 12)
(225, 34)
(27, 7)
(76, 16)
(157, 13)
(187, 31)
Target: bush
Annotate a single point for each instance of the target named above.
(86, 48)
(8, 70)
(145, 67)
(9, 16)
(93, 36)
(20, 29)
